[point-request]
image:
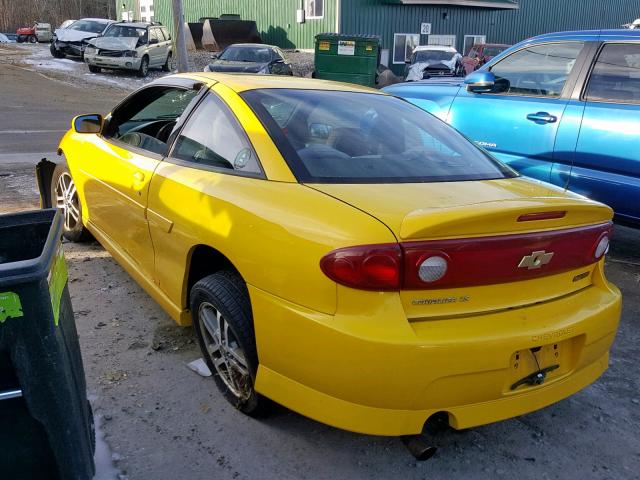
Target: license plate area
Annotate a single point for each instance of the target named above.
(554, 359)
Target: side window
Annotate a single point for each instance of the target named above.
(165, 33)
(147, 118)
(616, 75)
(541, 70)
(154, 34)
(403, 45)
(213, 137)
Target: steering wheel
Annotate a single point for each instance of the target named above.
(165, 131)
(132, 138)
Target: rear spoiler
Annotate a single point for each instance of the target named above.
(503, 217)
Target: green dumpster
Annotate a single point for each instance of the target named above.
(347, 58)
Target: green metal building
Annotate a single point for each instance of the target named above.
(402, 24)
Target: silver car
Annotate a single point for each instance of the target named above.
(135, 46)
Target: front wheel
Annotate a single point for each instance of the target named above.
(223, 323)
(144, 67)
(64, 196)
(94, 69)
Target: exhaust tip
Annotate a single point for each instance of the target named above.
(419, 447)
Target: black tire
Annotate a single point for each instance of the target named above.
(55, 53)
(33, 39)
(20, 39)
(144, 67)
(167, 65)
(225, 292)
(73, 229)
(94, 69)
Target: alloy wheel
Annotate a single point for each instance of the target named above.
(67, 200)
(224, 351)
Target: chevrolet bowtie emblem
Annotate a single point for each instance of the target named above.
(535, 260)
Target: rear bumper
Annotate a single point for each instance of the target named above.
(360, 374)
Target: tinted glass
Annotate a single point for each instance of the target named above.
(616, 75)
(213, 137)
(88, 26)
(433, 56)
(541, 70)
(348, 137)
(147, 118)
(246, 54)
(493, 51)
(123, 31)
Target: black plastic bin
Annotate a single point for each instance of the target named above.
(46, 424)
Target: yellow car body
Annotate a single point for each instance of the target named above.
(376, 362)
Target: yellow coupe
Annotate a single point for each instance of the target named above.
(342, 252)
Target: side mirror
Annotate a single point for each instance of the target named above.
(153, 41)
(480, 82)
(87, 123)
(407, 62)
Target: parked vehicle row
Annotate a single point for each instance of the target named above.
(562, 107)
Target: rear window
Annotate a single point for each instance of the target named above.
(349, 137)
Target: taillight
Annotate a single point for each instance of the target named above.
(467, 262)
(366, 267)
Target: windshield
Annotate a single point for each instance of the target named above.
(352, 137)
(493, 51)
(432, 55)
(246, 54)
(123, 31)
(88, 26)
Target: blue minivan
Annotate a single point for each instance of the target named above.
(562, 107)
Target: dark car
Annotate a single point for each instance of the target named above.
(481, 54)
(433, 61)
(250, 58)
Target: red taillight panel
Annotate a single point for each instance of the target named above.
(366, 267)
(510, 258)
(465, 262)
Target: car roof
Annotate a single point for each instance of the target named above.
(589, 35)
(101, 20)
(443, 48)
(241, 82)
(257, 45)
(491, 45)
(138, 24)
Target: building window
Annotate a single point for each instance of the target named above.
(403, 45)
(143, 9)
(151, 8)
(144, 19)
(314, 8)
(152, 18)
(445, 40)
(471, 40)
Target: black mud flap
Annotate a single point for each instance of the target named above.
(44, 174)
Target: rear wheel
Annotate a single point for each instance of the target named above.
(168, 65)
(144, 67)
(32, 39)
(94, 69)
(64, 196)
(223, 324)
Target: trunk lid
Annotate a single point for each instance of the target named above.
(506, 221)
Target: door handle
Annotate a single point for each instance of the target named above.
(138, 177)
(542, 118)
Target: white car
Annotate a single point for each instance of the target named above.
(135, 46)
(429, 61)
(72, 40)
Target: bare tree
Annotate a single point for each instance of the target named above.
(17, 13)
